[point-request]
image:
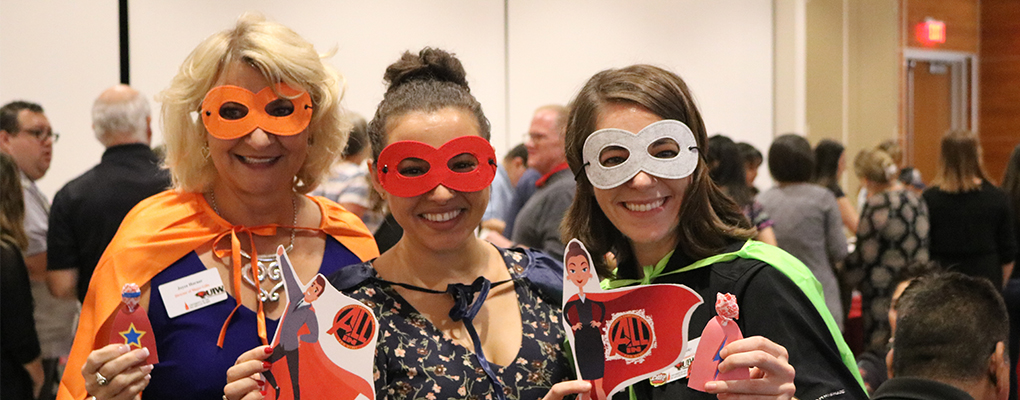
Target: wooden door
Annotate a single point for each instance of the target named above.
(939, 100)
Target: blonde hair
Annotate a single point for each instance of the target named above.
(281, 55)
(960, 163)
(875, 165)
(893, 149)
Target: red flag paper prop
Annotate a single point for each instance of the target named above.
(324, 346)
(719, 332)
(621, 336)
(133, 328)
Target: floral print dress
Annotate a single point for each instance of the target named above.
(893, 233)
(415, 360)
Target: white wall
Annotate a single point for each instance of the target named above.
(61, 55)
(518, 55)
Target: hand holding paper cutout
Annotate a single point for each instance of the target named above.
(719, 332)
(133, 328)
(621, 336)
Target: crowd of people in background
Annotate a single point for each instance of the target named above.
(854, 250)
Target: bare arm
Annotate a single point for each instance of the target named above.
(63, 283)
(35, 370)
(36, 265)
(767, 235)
(848, 213)
(1007, 270)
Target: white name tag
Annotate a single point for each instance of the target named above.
(192, 292)
(678, 371)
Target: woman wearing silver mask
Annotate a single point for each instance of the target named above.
(634, 139)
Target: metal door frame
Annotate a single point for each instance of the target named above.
(964, 82)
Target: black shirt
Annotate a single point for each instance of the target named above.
(971, 232)
(918, 389)
(772, 306)
(18, 339)
(87, 211)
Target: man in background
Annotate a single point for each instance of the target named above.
(949, 342)
(538, 223)
(26, 135)
(501, 195)
(87, 211)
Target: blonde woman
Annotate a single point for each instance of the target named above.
(893, 234)
(251, 121)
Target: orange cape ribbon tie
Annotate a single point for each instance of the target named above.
(235, 248)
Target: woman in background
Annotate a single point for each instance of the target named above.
(830, 162)
(971, 222)
(21, 376)
(649, 199)
(806, 217)
(892, 235)
(728, 172)
(1011, 185)
(348, 182)
(752, 161)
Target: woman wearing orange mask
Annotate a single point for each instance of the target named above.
(251, 121)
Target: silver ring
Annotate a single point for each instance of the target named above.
(101, 380)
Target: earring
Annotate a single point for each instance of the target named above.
(205, 150)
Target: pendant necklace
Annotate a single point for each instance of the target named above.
(268, 266)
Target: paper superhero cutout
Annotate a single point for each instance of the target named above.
(666, 149)
(229, 112)
(324, 346)
(621, 336)
(720, 331)
(131, 325)
(464, 164)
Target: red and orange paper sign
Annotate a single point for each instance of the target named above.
(324, 347)
(621, 336)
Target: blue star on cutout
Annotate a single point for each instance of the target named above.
(132, 336)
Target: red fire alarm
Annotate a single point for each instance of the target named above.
(931, 31)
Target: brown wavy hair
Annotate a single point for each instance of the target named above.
(12, 203)
(960, 163)
(708, 218)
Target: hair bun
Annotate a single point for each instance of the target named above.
(428, 65)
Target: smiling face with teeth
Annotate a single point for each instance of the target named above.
(440, 218)
(646, 209)
(259, 162)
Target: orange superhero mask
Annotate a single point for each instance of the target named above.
(230, 112)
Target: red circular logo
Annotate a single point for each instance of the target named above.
(353, 326)
(631, 336)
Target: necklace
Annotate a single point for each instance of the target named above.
(268, 266)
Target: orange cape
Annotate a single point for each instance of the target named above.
(155, 234)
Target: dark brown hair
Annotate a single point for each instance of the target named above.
(429, 81)
(708, 218)
(791, 159)
(960, 163)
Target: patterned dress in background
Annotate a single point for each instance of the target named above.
(892, 234)
(415, 360)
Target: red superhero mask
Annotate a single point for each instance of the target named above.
(230, 112)
(410, 168)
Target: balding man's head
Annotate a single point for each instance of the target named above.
(120, 115)
(545, 138)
